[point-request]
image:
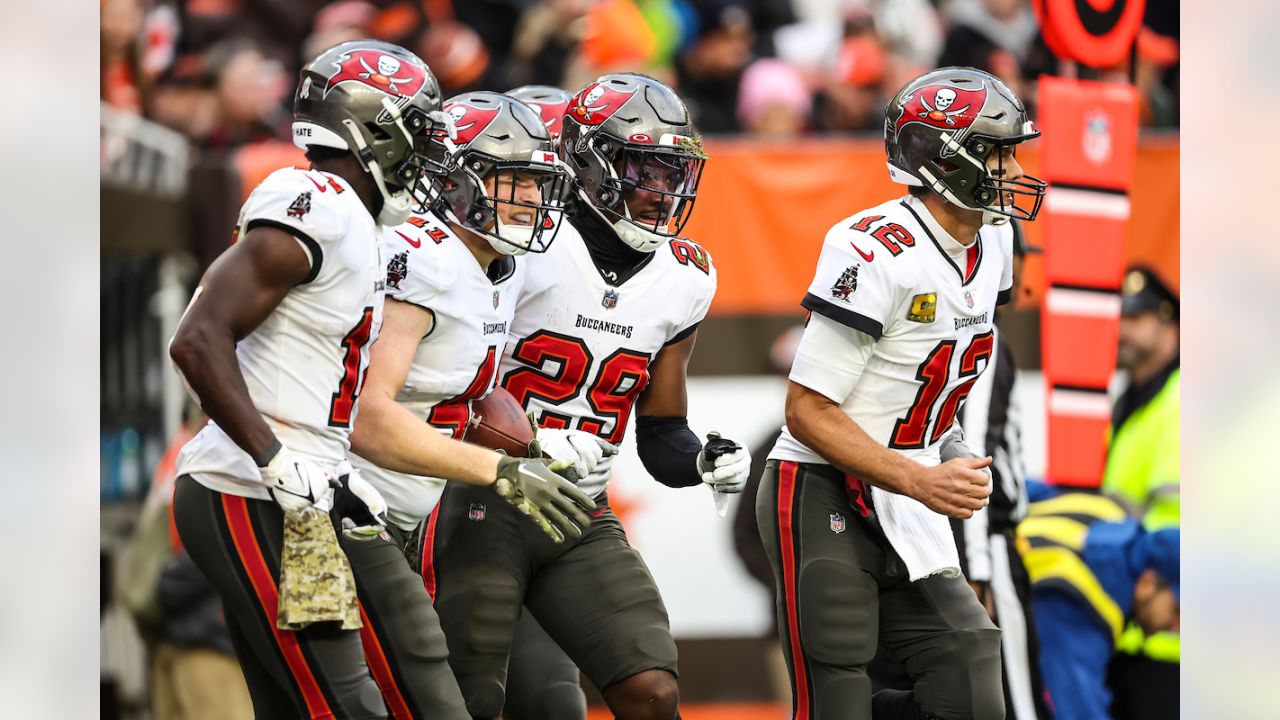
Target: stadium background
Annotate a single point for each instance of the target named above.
(195, 111)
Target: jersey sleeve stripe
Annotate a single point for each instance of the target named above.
(317, 255)
(845, 317)
(1004, 297)
(682, 334)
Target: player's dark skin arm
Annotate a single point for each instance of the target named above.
(955, 488)
(242, 287)
(238, 291)
(666, 395)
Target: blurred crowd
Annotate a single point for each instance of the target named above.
(222, 71)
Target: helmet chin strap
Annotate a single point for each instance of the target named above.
(637, 237)
(396, 207)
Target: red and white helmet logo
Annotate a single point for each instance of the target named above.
(552, 115)
(942, 106)
(595, 103)
(379, 71)
(469, 120)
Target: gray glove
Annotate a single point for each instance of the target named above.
(551, 501)
(956, 447)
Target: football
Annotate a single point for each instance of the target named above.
(498, 422)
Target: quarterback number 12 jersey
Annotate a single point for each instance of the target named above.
(894, 274)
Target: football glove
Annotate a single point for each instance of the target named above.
(557, 505)
(956, 447)
(580, 451)
(358, 504)
(297, 485)
(724, 464)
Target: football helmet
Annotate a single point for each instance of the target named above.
(382, 103)
(502, 141)
(626, 134)
(549, 102)
(939, 131)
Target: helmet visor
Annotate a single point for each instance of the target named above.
(657, 188)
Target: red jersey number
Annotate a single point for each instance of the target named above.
(557, 371)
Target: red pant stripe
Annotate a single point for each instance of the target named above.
(381, 669)
(786, 536)
(255, 565)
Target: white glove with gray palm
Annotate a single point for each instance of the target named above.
(580, 451)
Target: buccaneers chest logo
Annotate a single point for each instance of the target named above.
(596, 103)
(942, 107)
(379, 71)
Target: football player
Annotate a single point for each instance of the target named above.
(854, 500)
(274, 346)
(605, 325)
(452, 282)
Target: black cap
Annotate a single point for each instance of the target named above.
(1143, 291)
(1020, 245)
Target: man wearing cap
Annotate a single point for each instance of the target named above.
(1093, 567)
(1142, 469)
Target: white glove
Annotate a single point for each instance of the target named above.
(724, 464)
(358, 504)
(297, 485)
(580, 450)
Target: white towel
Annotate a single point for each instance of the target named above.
(921, 536)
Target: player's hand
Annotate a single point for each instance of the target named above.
(724, 464)
(358, 504)
(580, 451)
(956, 447)
(554, 503)
(297, 485)
(955, 488)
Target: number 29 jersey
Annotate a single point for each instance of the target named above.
(894, 274)
(304, 364)
(457, 362)
(580, 348)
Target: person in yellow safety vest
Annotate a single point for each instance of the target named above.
(1143, 469)
(1093, 567)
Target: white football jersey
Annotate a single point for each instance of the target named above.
(457, 362)
(580, 348)
(305, 363)
(887, 272)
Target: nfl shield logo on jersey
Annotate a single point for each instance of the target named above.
(968, 298)
(837, 523)
(495, 299)
(610, 299)
(477, 512)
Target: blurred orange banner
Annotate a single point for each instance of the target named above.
(764, 207)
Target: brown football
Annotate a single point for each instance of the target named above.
(498, 422)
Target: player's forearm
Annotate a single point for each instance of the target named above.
(206, 358)
(824, 428)
(390, 436)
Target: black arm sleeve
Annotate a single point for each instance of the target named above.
(669, 450)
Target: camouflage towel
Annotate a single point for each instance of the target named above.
(316, 584)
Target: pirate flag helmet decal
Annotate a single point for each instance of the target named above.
(941, 128)
(631, 145)
(550, 102)
(381, 103)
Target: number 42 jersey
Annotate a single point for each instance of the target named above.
(580, 348)
(894, 274)
(305, 363)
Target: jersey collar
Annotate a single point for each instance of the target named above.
(965, 260)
